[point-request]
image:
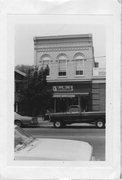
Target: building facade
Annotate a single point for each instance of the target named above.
(70, 61)
(99, 89)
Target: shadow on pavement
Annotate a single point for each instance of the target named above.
(80, 127)
(66, 127)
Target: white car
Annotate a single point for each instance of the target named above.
(30, 148)
(20, 120)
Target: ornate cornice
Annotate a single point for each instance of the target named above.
(58, 49)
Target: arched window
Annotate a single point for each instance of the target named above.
(45, 62)
(79, 63)
(62, 60)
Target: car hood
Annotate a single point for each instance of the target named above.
(56, 149)
(17, 116)
(26, 117)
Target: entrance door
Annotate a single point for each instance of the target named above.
(61, 105)
(84, 103)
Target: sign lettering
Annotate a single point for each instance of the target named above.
(62, 88)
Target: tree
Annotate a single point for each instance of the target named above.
(37, 95)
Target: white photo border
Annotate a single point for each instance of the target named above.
(71, 170)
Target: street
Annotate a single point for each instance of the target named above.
(87, 133)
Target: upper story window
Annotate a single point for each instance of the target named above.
(96, 64)
(79, 64)
(62, 60)
(79, 67)
(45, 63)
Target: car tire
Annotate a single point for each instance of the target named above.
(100, 124)
(18, 123)
(57, 124)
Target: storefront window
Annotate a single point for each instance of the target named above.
(84, 103)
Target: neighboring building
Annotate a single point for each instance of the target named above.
(70, 59)
(20, 82)
(100, 62)
(99, 89)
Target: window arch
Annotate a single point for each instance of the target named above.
(62, 62)
(45, 62)
(79, 63)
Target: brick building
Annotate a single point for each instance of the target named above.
(70, 59)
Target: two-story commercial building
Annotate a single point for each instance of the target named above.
(70, 59)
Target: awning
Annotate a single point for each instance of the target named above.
(63, 95)
(68, 95)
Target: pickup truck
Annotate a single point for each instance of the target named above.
(75, 115)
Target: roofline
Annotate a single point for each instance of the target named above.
(61, 36)
(20, 72)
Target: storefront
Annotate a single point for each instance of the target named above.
(99, 89)
(99, 94)
(66, 94)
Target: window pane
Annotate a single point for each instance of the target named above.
(79, 67)
(62, 65)
(46, 65)
(62, 68)
(79, 72)
(79, 64)
(62, 73)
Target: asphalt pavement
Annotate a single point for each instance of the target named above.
(80, 132)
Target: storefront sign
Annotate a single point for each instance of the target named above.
(62, 88)
(99, 72)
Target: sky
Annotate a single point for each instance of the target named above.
(24, 33)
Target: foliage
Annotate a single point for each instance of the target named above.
(37, 94)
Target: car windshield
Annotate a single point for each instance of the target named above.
(74, 108)
(21, 139)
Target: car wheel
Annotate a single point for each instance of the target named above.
(100, 124)
(18, 123)
(57, 124)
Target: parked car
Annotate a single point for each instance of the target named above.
(27, 147)
(74, 108)
(75, 115)
(24, 120)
